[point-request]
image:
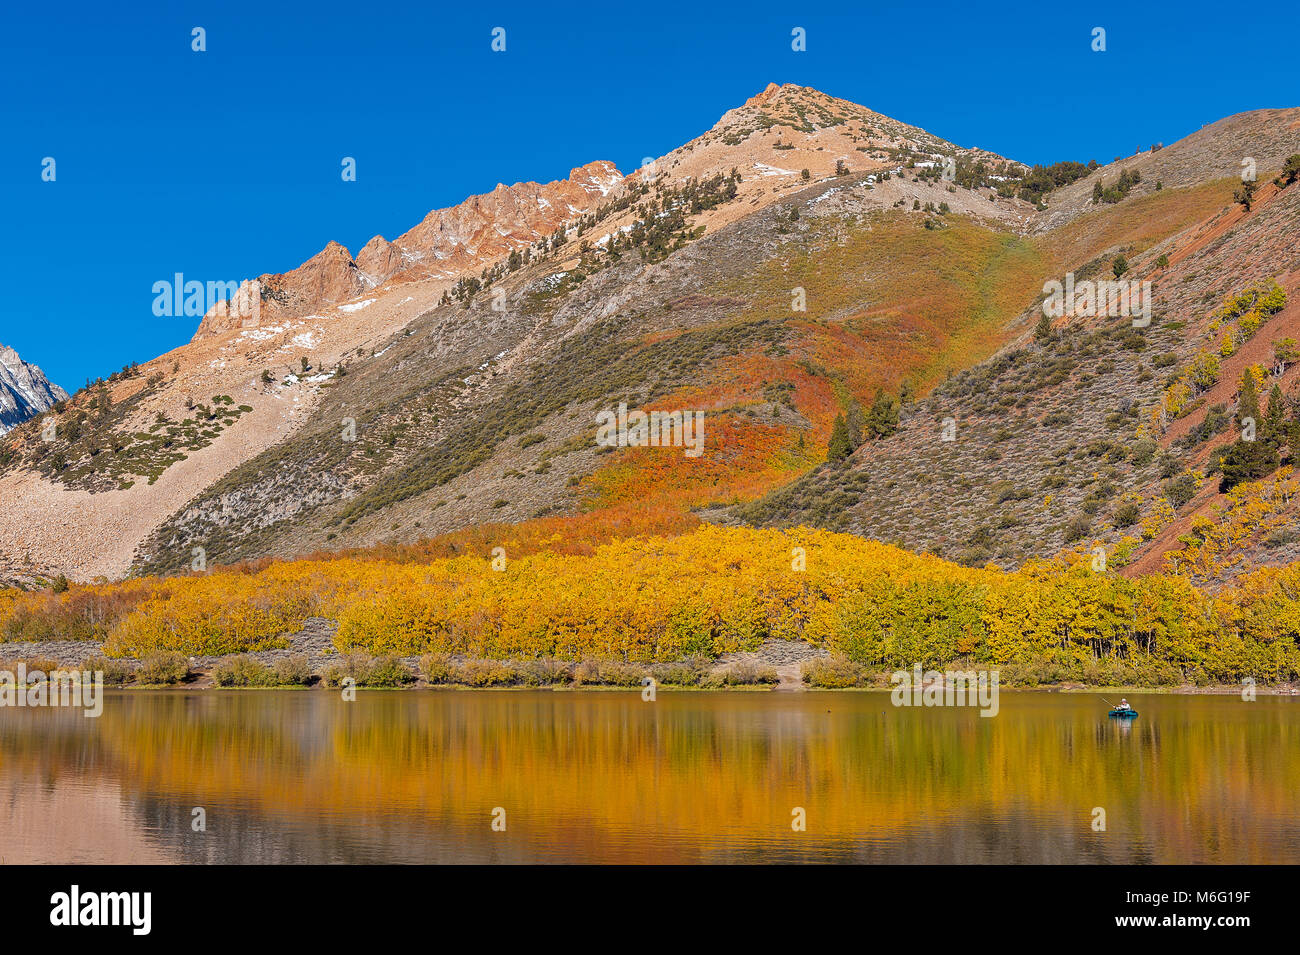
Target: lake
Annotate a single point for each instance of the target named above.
(421, 776)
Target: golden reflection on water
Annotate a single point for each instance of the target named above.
(693, 777)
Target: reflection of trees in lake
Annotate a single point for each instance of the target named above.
(414, 776)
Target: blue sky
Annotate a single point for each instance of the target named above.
(226, 164)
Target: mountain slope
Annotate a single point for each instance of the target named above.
(772, 274)
(1058, 441)
(136, 446)
(153, 436)
(503, 452)
(1218, 150)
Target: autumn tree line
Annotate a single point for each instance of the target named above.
(701, 594)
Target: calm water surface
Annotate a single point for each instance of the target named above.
(603, 777)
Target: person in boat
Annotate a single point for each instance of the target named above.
(1123, 705)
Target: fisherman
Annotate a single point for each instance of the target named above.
(1123, 705)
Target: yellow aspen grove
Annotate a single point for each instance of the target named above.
(713, 591)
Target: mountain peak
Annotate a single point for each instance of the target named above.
(775, 91)
(806, 110)
(24, 390)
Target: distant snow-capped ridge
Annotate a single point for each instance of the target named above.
(24, 390)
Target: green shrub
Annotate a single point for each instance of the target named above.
(834, 673)
(115, 672)
(484, 673)
(388, 671)
(1100, 671)
(1126, 515)
(164, 667)
(1181, 489)
(685, 673)
(1144, 450)
(441, 669)
(293, 670)
(1077, 529)
(545, 672)
(748, 674)
(242, 670)
(437, 668)
(354, 666)
(608, 673)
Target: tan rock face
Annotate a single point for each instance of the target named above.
(327, 277)
(243, 310)
(379, 260)
(482, 228)
(448, 243)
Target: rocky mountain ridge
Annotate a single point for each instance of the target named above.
(24, 390)
(446, 244)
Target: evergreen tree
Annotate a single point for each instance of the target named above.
(1291, 433)
(1275, 417)
(1247, 399)
(1245, 194)
(1290, 171)
(1043, 332)
(853, 425)
(882, 419)
(837, 449)
(1247, 461)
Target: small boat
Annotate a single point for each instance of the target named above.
(1119, 714)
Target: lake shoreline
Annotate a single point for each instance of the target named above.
(205, 680)
(203, 683)
(780, 666)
